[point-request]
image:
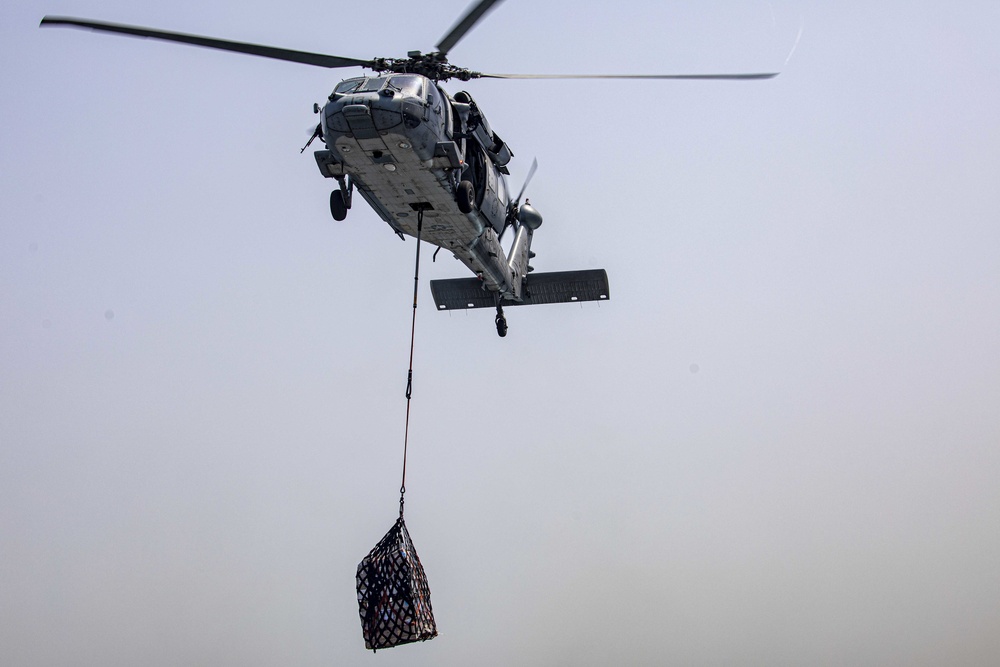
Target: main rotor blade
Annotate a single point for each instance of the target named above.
(725, 77)
(317, 59)
(472, 16)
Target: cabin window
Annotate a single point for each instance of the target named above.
(502, 190)
(348, 85)
(408, 84)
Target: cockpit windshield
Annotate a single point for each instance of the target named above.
(371, 85)
(408, 84)
(411, 85)
(348, 85)
(360, 85)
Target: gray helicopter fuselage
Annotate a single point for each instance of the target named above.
(405, 144)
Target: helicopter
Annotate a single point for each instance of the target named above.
(429, 163)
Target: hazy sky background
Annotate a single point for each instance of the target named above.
(777, 444)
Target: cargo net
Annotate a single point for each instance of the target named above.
(393, 596)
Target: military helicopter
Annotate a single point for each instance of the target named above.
(416, 153)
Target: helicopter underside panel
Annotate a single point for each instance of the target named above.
(404, 185)
(398, 184)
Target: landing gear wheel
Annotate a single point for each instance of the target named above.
(338, 207)
(501, 325)
(466, 197)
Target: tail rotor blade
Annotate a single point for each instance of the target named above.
(531, 172)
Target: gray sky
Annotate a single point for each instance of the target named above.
(777, 444)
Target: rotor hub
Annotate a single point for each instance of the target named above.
(433, 65)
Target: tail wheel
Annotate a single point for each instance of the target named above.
(501, 322)
(466, 197)
(338, 207)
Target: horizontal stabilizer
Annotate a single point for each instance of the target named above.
(554, 287)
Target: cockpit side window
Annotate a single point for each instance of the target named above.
(348, 85)
(408, 84)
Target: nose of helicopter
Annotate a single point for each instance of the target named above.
(366, 113)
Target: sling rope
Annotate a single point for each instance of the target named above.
(409, 373)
